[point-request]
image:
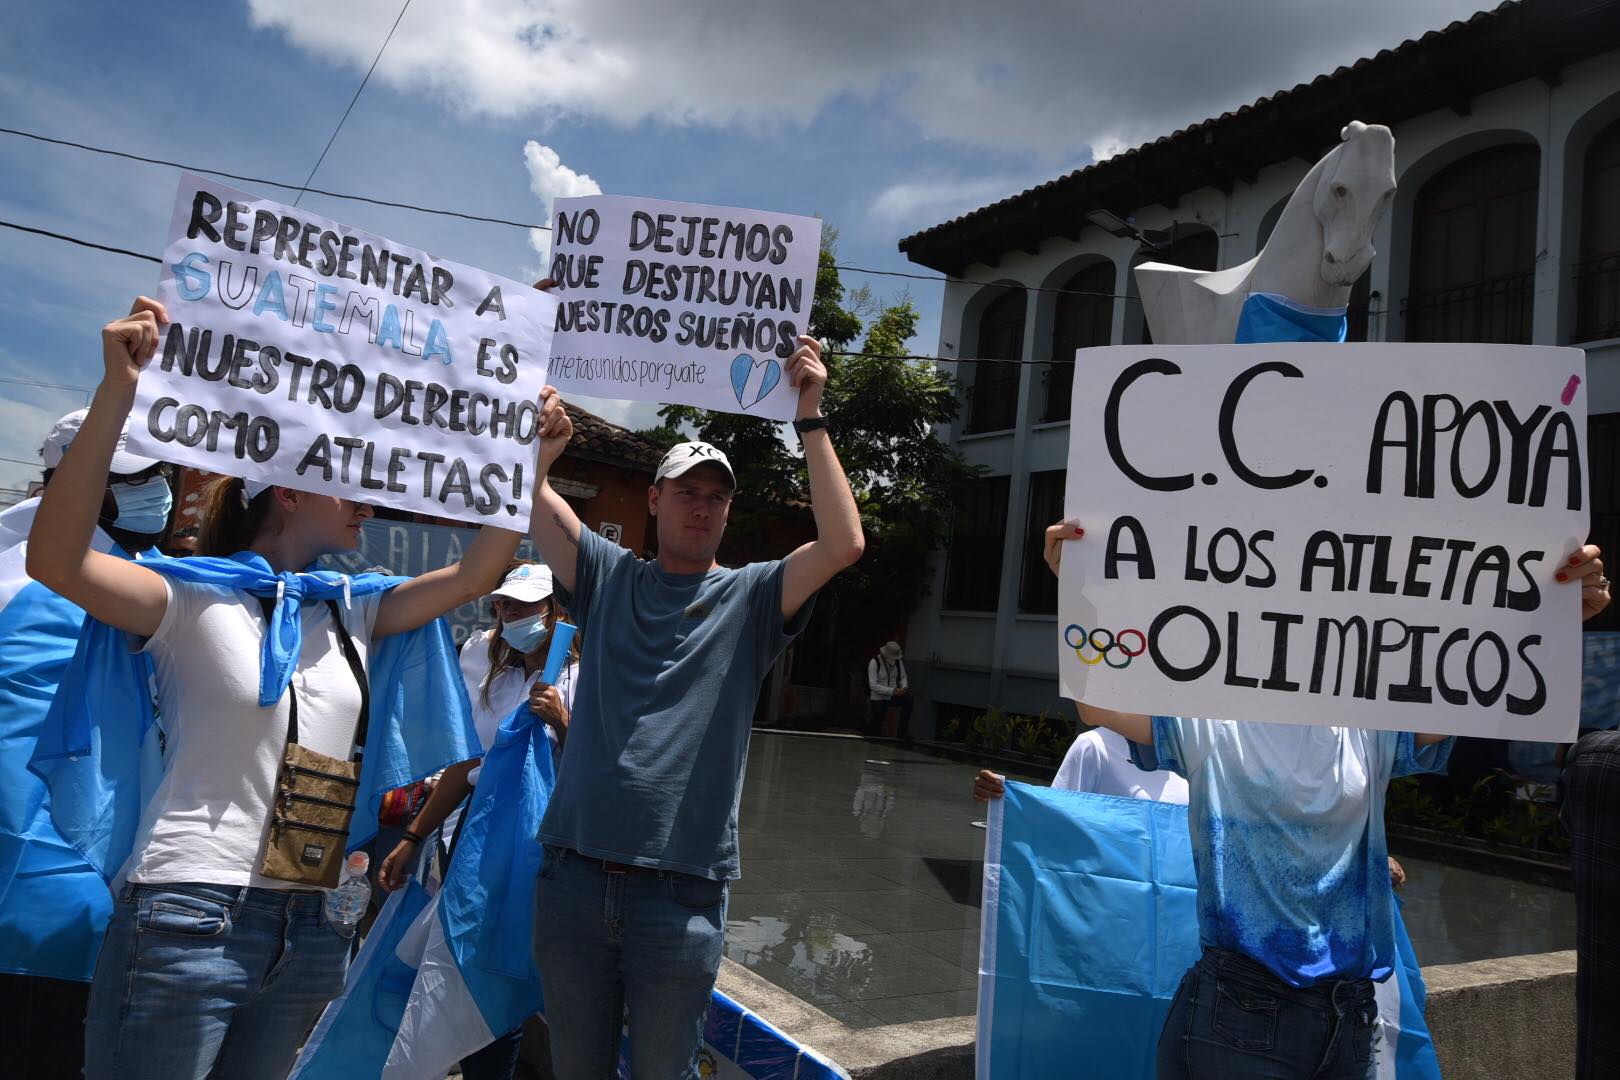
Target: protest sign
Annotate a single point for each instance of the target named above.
(1363, 535)
(683, 304)
(305, 353)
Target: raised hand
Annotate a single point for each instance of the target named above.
(806, 371)
(128, 344)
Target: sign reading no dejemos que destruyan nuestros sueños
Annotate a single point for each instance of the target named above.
(307, 353)
(1363, 535)
(679, 303)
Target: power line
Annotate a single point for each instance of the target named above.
(514, 224)
(81, 243)
(268, 183)
(47, 385)
(357, 92)
(20, 461)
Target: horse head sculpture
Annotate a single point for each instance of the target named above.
(1322, 243)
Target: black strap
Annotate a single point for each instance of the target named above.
(358, 669)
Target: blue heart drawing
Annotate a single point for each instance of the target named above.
(742, 370)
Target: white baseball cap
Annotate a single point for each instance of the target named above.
(65, 430)
(526, 583)
(684, 457)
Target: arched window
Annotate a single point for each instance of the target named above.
(1084, 317)
(1597, 275)
(1196, 250)
(993, 398)
(1474, 250)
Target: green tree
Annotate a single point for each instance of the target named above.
(907, 483)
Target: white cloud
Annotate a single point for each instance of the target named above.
(1025, 75)
(918, 203)
(550, 179)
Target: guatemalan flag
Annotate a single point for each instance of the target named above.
(54, 905)
(1089, 922)
(441, 977)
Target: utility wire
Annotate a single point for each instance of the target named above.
(357, 92)
(268, 183)
(515, 224)
(81, 243)
(47, 385)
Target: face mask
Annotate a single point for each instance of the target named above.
(143, 508)
(524, 634)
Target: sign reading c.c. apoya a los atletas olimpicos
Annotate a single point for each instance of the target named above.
(1364, 535)
(306, 353)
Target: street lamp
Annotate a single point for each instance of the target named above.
(1125, 228)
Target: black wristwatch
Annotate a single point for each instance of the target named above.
(811, 423)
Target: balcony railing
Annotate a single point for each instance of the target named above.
(1597, 298)
(1495, 309)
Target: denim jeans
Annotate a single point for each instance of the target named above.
(647, 940)
(202, 980)
(1233, 1018)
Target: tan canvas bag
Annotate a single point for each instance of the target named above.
(315, 793)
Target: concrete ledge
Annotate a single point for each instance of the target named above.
(1504, 1018)
(1492, 1019)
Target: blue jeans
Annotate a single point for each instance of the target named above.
(1233, 1018)
(201, 980)
(647, 940)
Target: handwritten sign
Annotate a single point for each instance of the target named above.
(683, 304)
(306, 353)
(1358, 535)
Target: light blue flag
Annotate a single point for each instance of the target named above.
(1089, 922)
(54, 906)
(1090, 919)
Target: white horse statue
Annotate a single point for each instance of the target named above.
(1321, 245)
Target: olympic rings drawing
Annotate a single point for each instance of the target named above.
(1080, 640)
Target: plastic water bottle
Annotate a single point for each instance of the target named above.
(347, 903)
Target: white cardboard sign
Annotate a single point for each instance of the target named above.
(309, 354)
(1362, 535)
(679, 303)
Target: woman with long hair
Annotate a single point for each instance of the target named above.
(220, 953)
(502, 667)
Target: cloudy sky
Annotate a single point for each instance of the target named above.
(881, 116)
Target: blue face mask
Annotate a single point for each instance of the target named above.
(143, 508)
(524, 634)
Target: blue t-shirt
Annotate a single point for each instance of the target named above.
(1287, 826)
(669, 672)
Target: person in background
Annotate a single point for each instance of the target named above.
(1098, 761)
(211, 966)
(1295, 914)
(502, 667)
(1590, 786)
(886, 685)
(640, 834)
(56, 905)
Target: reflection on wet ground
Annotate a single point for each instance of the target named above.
(862, 875)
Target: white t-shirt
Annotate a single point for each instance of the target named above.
(1100, 762)
(208, 820)
(509, 690)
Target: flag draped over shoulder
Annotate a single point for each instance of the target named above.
(89, 751)
(54, 906)
(1090, 919)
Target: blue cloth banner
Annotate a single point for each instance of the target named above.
(1600, 680)
(1090, 921)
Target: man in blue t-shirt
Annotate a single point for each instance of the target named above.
(1294, 900)
(641, 831)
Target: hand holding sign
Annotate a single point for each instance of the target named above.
(128, 344)
(807, 374)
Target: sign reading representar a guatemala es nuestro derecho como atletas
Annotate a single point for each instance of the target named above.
(1364, 535)
(679, 303)
(306, 353)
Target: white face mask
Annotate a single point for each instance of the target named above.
(144, 507)
(524, 634)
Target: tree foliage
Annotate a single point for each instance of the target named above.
(907, 483)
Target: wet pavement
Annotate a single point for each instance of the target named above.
(862, 875)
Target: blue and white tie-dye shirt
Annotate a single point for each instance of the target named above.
(1287, 827)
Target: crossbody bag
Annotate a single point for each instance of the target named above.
(315, 793)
